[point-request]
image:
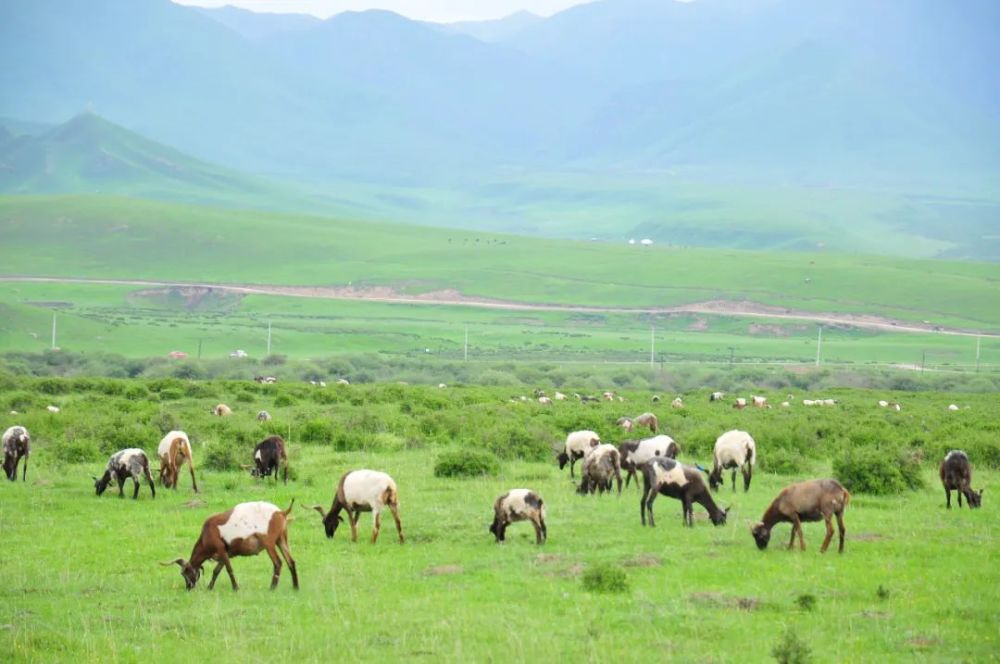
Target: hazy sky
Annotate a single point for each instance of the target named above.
(427, 10)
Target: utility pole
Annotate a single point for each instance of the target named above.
(819, 344)
(199, 349)
(268, 338)
(465, 355)
(652, 344)
(923, 360)
(53, 331)
(978, 341)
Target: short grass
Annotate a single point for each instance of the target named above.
(83, 236)
(81, 580)
(113, 319)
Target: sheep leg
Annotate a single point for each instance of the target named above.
(194, 482)
(377, 521)
(121, 486)
(545, 531)
(842, 529)
(947, 497)
(24, 472)
(287, 555)
(149, 479)
(229, 570)
(572, 463)
(276, 561)
(135, 486)
(959, 494)
(791, 542)
(394, 508)
(215, 575)
(829, 534)
(538, 530)
(352, 518)
(734, 479)
(802, 542)
(747, 474)
(618, 479)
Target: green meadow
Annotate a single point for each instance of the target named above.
(916, 581)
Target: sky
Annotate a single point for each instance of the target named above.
(441, 11)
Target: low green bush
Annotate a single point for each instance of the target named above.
(605, 578)
(878, 471)
(466, 463)
(222, 456)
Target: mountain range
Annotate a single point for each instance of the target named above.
(873, 98)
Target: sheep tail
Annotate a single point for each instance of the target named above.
(290, 506)
(752, 453)
(847, 497)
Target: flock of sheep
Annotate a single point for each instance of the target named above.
(253, 527)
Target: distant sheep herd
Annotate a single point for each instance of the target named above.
(252, 527)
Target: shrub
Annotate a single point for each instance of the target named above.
(515, 441)
(878, 471)
(782, 462)
(605, 578)
(283, 400)
(466, 463)
(316, 431)
(77, 451)
(222, 457)
(171, 394)
(791, 649)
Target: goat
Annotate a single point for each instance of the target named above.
(263, 416)
(131, 462)
(519, 505)
(362, 491)
(174, 450)
(740, 403)
(956, 474)
(811, 500)
(733, 449)
(599, 466)
(269, 456)
(576, 446)
(245, 530)
(16, 445)
(635, 453)
(222, 410)
(671, 478)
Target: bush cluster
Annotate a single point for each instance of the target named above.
(466, 463)
(878, 471)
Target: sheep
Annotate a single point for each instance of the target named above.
(52, 409)
(174, 450)
(559, 396)
(956, 474)
(343, 381)
(828, 402)
(626, 423)
(952, 407)
(362, 491)
(677, 403)
(608, 396)
(811, 500)
(716, 396)
(131, 462)
(656, 398)
(785, 404)
(647, 420)
(759, 402)
(16, 445)
(519, 505)
(245, 530)
(268, 456)
(222, 410)
(740, 403)
(733, 449)
(442, 386)
(883, 403)
(671, 478)
(576, 446)
(809, 402)
(895, 406)
(265, 380)
(635, 453)
(545, 401)
(538, 393)
(599, 465)
(263, 416)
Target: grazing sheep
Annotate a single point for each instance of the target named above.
(759, 402)
(16, 445)
(716, 396)
(131, 462)
(956, 474)
(677, 403)
(174, 450)
(576, 446)
(656, 398)
(245, 530)
(953, 407)
(545, 401)
(263, 416)
(647, 420)
(362, 491)
(601, 464)
(559, 396)
(733, 449)
(673, 479)
(740, 403)
(883, 403)
(519, 505)
(806, 501)
(222, 410)
(635, 453)
(608, 396)
(269, 456)
(810, 402)
(626, 423)
(785, 404)
(52, 409)
(343, 381)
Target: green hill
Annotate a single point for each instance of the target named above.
(96, 236)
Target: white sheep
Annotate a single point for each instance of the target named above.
(576, 446)
(362, 491)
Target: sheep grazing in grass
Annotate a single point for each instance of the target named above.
(545, 401)
(953, 407)
(685, 483)
(634, 453)
(576, 447)
(716, 396)
(647, 420)
(362, 491)
(16, 445)
(956, 475)
(759, 402)
(733, 449)
(270, 456)
(740, 403)
(601, 464)
(559, 396)
(245, 530)
(519, 505)
(806, 501)
(263, 416)
(222, 410)
(131, 462)
(52, 409)
(677, 403)
(174, 451)
(882, 403)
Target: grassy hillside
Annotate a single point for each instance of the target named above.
(120, 238)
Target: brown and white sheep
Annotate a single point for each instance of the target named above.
(601, 464)
(576, 446)
(362, 491)
(634, 453)
(131, 462)
(519, 505)
(222, 410)
(956, 475)
(685, 483)
(174, 451)
(16, 445)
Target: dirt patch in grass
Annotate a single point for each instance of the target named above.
(195, 502)
(545, 558)
(643, 560)
(43, 482)
(876, 615)
(922, 642)
(442, 570)
(720, 600)
(867, 537)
